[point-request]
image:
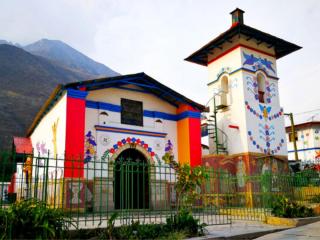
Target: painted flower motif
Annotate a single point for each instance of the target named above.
(131, 140)
(169, 147)
(90, 147)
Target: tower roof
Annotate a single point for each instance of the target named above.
(281, 47)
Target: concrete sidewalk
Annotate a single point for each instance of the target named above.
(309, 232)
(239, 230)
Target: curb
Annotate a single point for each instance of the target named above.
(246, 236)
(291, 222)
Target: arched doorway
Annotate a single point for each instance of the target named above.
(131, 180)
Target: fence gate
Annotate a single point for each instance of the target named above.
(146, 192)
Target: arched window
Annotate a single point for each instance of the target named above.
(224, 91)
(261, 87)
(103, 118)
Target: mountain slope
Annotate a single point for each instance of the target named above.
(25, 83)
(62, 53)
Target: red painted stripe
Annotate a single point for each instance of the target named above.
(184, 108)
(233, 126)
(75, 127)
(237, 46)
(11, 187)
(195, 141)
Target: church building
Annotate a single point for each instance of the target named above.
(136, 117)
(123, 116)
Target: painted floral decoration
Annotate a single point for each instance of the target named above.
(130, 140)
(90, 147)
(169, 147)
(41, 148)
(168, 157)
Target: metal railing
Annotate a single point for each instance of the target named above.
(91, 192)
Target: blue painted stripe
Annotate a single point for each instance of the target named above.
(103, 106)
(146, 113)
(305, 149)
(77, 94)
(162, 115)
(244, 69)
(188, 114)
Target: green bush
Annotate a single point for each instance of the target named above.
(173, 236)
(185, 222)
(177, 227)
(4, 222)
(32, 219)
(283, 207)
(138, 231)
(315, 199)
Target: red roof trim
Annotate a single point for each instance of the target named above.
(303, 125)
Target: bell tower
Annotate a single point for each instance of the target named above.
(245, 115)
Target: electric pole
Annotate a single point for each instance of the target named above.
(293, 135)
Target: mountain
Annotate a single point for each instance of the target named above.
(59, 52)
(26, 81)
(10, 43)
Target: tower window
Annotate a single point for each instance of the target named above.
(261, 87)
(225, 90)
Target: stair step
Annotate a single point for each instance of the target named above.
(222, 106)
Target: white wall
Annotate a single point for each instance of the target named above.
(150, 102)
(232, 65)
(42, 141)
(43, 133)
(308, 144)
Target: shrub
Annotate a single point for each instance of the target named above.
(283, 207)
(315, 199)
(32, 219)
(189, 180)
(138, 231)
(110, 225)
(173, 236)
(177, 227)
(4, 223)
(185, 222)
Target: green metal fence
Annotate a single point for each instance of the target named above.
(137, 190)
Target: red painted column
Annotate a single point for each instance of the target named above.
(75, 131)
(195, 141)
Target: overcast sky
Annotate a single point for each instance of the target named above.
(153, 36)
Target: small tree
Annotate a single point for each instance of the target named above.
(189, 180)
